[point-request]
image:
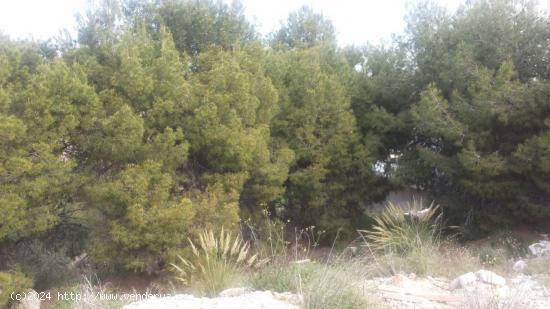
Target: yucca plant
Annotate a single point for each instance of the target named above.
(217, 262)
(404, 229)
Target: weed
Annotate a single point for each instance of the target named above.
(326, 285)
(268, 237)
(538, 266)
(513, 245)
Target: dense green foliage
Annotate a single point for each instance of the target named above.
(165, 118)
(481, 121)
(460, 107)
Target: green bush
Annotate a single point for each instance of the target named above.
(12, 282)
(48, 267)
(139, 222)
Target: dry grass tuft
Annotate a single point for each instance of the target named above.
(403, 230)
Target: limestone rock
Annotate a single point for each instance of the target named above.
(490, 277)
(463, 280)
(519, 266)
(250, 300)
(540, 248)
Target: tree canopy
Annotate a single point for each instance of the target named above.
(164, 118)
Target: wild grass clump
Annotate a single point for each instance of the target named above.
(405, 229)
(333, 283)
(514, 245)
(492, 256)
(217, 262)
(321, 285)
(408, 239)
(283, 276)
(268, 237)
(332, 286)
(538, 266)
(425, 261)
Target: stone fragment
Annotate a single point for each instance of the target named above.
(519, 266)
(463, 280)
(250, 300)
(490, 277)
(540, 248)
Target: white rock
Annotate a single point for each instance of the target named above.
(519, 266)
(534, 249)
(490, 277)
(463, 280)
(32, 302)
(540, 248)
(252, 300)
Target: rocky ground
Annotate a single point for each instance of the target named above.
(402, 291)
(482, 289)
(227, 299)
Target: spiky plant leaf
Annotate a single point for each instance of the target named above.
(403, 228)
(217, 261)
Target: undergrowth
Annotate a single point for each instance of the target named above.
(321, 285)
